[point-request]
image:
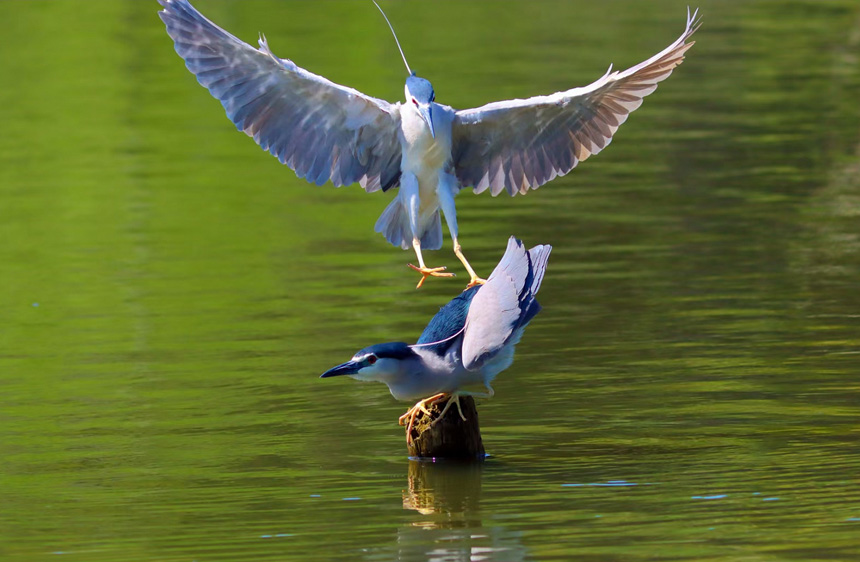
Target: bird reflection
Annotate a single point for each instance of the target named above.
(451, 527)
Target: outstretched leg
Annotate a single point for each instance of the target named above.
(412, 202)
(473, 277)
(423, 269)
(445, 190)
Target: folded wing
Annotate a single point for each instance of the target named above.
(323, 131)
(522, 144)
(505, 303)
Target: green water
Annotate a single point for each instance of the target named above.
(169, 294)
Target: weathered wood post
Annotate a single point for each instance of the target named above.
(450, 437)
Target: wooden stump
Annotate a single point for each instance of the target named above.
(450, 437)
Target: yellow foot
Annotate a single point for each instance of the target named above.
(430, 272)
(475, 281)
(455, 398)
(408, 418)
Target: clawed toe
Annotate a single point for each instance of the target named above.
(430, 272)
(475, 281)
(408, 419)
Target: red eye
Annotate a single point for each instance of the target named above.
(371, 360)
(415, 102)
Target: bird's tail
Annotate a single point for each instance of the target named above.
(537, 260)
(393, 223)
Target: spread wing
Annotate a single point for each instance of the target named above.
(322, 130)
(523, 144)
(505, 303)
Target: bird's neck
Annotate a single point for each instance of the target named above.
(422, 377)
(420, 150)
(415, 129)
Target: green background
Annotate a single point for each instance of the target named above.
(169, 294)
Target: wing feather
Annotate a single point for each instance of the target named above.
(504, 304)
(521, 144)
(323, 131)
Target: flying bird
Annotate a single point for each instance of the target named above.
(326, 132)
(468, 342)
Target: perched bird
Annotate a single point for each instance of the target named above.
(327, 132)
(468, 342)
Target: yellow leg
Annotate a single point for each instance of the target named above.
(473, 277)
(455, 398)
(412, 413)
(419, 407)
(423, 269)
(408, 419)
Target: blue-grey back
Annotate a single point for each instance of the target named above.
(447, 322)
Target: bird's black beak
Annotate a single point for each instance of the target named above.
(348, 368)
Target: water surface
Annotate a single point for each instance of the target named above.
(170, 294)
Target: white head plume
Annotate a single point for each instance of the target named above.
(391, 27)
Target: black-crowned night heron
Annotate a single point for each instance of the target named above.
(327, 132)
(467, 343)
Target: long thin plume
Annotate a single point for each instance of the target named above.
(395, 38)
(451, 337)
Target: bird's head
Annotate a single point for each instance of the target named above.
(381, 362)
(420, 97)
(419, 92)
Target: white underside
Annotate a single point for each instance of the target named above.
(424, 164)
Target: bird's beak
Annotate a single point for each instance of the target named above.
(348, 368)
(427, 113)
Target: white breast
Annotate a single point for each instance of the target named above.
(424, 155)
